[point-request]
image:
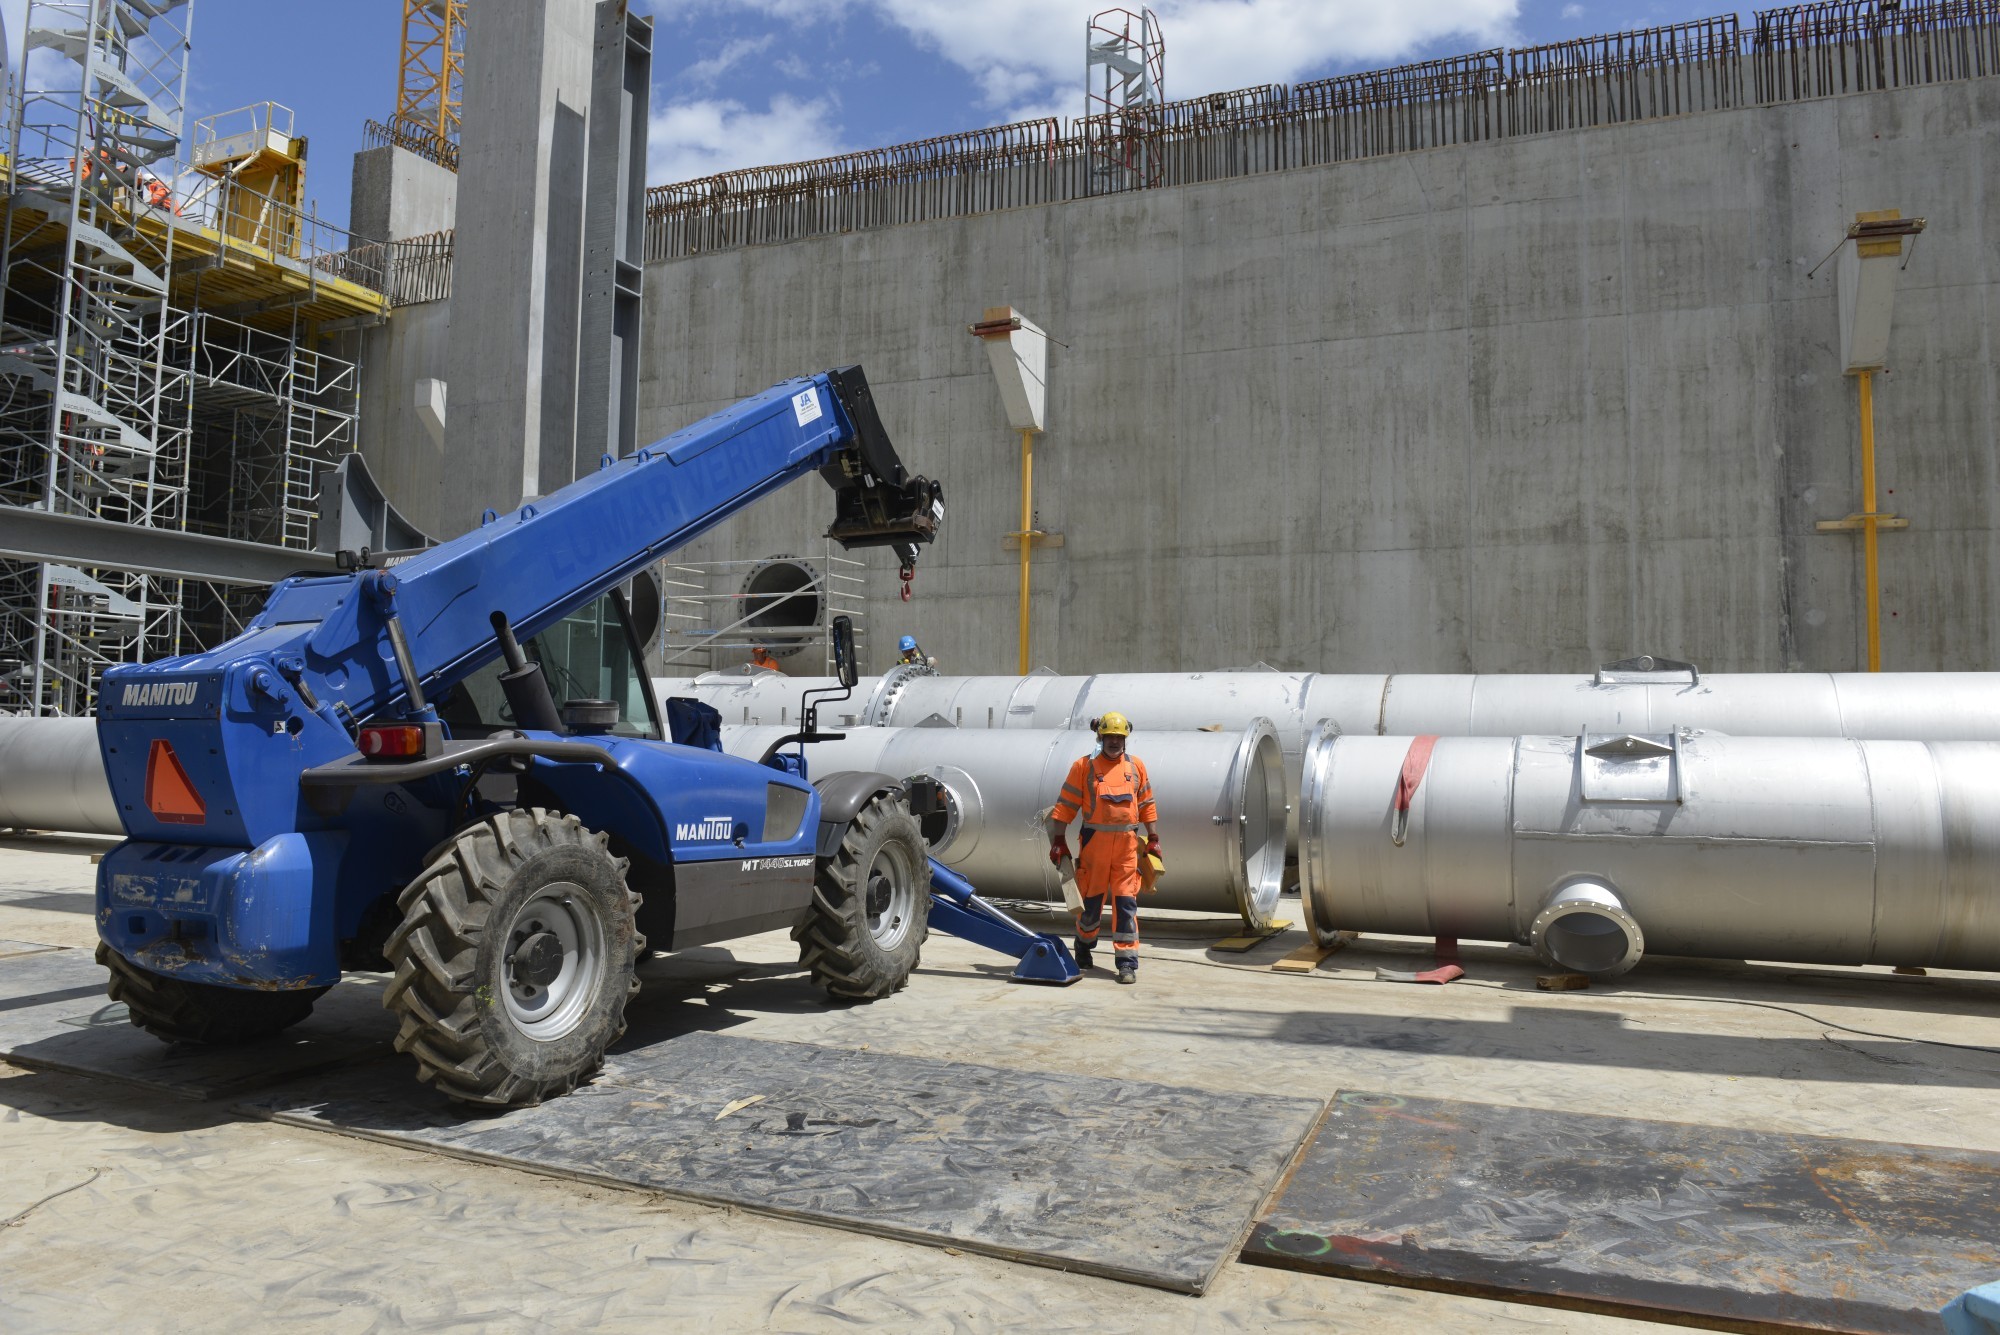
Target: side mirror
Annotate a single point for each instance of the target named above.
(843, 652)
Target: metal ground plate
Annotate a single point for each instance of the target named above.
(1738, 1229)
(1147, 1183)
(55, 1016)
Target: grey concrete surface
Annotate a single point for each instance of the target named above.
(1519, 406)
(512, 362)
(397, 195)
(178, 1217)
(414, 344)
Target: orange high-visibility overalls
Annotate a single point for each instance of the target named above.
(1114, 797)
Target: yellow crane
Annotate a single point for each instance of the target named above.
(430, 77)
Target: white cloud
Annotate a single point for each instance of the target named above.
(1029, 53)
(711, 135)
(1572, 11)
(704, 73)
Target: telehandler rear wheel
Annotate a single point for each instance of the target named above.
(871, 905)
(514, 959)
(180, 1011)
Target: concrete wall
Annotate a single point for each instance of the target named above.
(397, 195)
(415, 345)
(1520, 406)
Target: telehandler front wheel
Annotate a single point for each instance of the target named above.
(871, 905)
(514, 959)
(179, 1011)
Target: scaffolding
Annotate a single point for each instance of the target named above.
(93, 415)
(270, 415)
(716, 612)
(159, 338)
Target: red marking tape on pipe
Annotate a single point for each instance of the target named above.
(1415, 762)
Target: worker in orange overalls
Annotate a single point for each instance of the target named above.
(763, 659)
(1112, 793)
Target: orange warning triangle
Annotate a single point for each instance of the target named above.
(169, 792)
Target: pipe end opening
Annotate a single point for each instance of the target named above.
(1585, 929)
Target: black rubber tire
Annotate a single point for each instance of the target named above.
(834, 939)
(178, 1011)
(450, 971)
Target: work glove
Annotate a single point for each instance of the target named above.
(1153, 847)
(1059, 849)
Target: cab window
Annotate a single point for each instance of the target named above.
(585, 656)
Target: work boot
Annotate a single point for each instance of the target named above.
(1128, 971)
(1083, 957)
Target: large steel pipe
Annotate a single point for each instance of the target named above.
(1598, 849)
(1907, 706)
(52, 777)
(1890, 706)
(753, 697)
(1222, 800)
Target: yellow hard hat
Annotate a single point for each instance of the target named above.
(1113, 723)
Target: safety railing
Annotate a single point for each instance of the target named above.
(407, 272)
(1711, 64)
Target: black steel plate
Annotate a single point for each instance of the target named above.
(1711, 1225)
(1148, 1183)
(54, 1016)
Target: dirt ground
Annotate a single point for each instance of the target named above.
(127, 1210)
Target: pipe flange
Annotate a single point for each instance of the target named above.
(1586, 929)
(1316, 762)
(881, 706)
(1256, 902)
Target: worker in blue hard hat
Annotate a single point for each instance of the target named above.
(909, 654)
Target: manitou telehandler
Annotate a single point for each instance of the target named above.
(455, 769)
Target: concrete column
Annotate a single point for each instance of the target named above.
(543, 363)
(518, 257)
(607, 406)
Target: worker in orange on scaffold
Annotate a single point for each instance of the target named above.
(1113, 794)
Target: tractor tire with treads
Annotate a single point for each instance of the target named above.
(871, 904)
(179, 1011)
(515, 959)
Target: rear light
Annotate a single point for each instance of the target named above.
(397, 741)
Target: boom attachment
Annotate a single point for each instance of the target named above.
(876, 504)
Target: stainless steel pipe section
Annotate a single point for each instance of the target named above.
(1903, 706)
(753, 698)
(1598, 849)
(1890, 706)
(52, 777)
(1222, 800)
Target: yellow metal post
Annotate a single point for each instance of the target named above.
(1870, 568)
(1027, 532)
(1866, 286)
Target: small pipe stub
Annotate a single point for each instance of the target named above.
(1586, 929)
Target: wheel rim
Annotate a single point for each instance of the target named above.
(891, 904)
(553, 962)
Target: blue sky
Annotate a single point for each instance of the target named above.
(741, 83)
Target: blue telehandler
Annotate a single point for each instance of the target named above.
(454, 769)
